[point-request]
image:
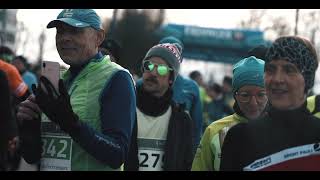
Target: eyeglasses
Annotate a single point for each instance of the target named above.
(162, 69)
(245, 97)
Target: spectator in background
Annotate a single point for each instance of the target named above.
(163, 129)
(21, 63)
(313, 105)
(258, 52)
(6, 54)
(186, 93)
(37, 71)
(250, 102)
(19, 92)
(18, 88)
(216, 108)
(197, 77)
(275, 141)
(227, 91)
(112, 48)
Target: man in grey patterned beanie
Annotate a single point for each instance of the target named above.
(298, 51)
(171, 53)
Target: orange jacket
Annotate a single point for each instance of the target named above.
(16, 84)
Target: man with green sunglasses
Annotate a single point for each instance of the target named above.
(186, 93)
(162, 135)
(162, 69)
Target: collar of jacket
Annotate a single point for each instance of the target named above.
(151, 105)
(76, 69)
(293, 117)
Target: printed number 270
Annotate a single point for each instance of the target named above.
(146, 161)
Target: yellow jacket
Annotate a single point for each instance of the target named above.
(208, 154)
(313, 105)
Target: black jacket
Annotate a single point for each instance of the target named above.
(8, 126)
(277, 131)
(178, 154)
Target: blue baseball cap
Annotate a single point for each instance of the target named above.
(79, 18)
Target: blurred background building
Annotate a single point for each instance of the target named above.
(8, 27)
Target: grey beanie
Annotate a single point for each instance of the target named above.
(295, 50)
(168, 52)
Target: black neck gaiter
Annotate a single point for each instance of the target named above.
(290, 118)
(151, 105)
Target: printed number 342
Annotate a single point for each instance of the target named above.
(49, 147)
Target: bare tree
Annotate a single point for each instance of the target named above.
(41, 40)
(297, 21)
(18, 39)
(255, 19)
(22, 37)
(156, 17)
(110, 23)
(276, 25)
(280, 26)
(3, 28)
(311, 25)
(135, 30)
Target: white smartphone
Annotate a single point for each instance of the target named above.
(51, 70)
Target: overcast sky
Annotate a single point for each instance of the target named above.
(37, 19)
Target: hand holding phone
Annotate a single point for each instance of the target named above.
(51, 70)
(56, 105)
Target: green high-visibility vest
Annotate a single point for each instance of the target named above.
(60, 152)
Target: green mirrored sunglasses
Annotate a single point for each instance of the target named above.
(162, 69)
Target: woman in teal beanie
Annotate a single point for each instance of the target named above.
(250, 102)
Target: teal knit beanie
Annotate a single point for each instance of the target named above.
(248, 71)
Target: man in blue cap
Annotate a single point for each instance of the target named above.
(88, 123)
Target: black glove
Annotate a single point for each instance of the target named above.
(56, 105)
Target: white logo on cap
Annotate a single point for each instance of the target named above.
(68, 13)
(79, 24)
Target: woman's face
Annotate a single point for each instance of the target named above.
(251, 100)
(284, 85)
